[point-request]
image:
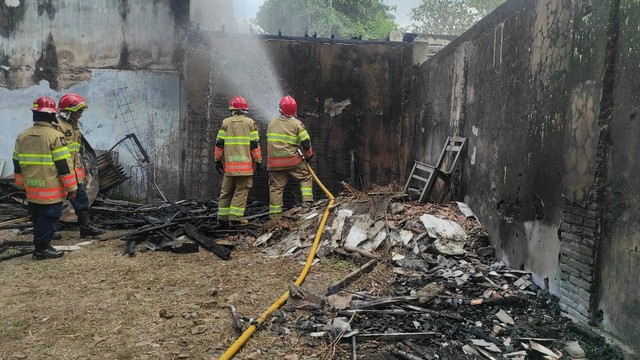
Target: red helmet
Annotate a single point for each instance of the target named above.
(288, 106)
(72, 102)
(45, 104)
(238, 103)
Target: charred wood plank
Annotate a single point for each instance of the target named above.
(148, 230)
(17, 226)
(162, 232)
(11, 256)
(384, 302)
(353, 276)
(405, 355)
(396, 336)
(418, 349)
(433, 312)
(209, 244)
(17, 243)
(349, 313)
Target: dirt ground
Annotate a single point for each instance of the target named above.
(98, 304)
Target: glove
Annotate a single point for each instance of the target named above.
(258, 169)
(219, 167)
(309, 158)
(71, 195)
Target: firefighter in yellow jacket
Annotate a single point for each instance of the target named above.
(71, 107)
(237, 149)
(44, 169)
(285, 136)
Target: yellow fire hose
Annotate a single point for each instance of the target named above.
(239, 343)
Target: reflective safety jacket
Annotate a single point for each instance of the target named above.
(43, 165)
(238, 145)
(74, 140)
(284, 137)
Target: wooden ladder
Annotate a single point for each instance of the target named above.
(422, 178)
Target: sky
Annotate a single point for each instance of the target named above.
(247, 9)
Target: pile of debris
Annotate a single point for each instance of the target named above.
(180, 227)
(437, 290)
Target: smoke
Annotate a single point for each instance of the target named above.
(243, 63)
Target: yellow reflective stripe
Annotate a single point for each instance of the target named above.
(254, 135)
(304, 135)
(73, 147)
(236, 140)
(60, 153)
(236, 211)
(306, 191)
(16, 155)
(274, 137)
(223, 211)
(275, 209)
(35, 159)
(221, 134)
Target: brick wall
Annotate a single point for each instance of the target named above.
(579, 235)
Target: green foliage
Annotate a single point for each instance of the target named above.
(450, 17)
(371, 19)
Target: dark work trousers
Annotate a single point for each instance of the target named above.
(45, 217)
(81, 202)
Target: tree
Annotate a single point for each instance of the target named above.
(450, 17)
(371, 19)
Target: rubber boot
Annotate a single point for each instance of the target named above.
(86, 229)
(43, 253)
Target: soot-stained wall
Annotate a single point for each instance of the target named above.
(349, 95)
(124, 57)
(617, 304)
(545, 91)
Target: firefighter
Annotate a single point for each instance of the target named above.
(43, 167)
(285, 137)
(237, 149)
(71, 107)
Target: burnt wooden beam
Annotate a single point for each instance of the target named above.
(383, 302)
(17, 243)
(433, 312)
(405, 355)
(11, 256)
(208, 243)
(396, 336)
(353, 276)
(162, 232)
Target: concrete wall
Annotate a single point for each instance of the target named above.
(546, 93)
(349, 96)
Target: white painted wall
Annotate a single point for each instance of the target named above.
(154, 99)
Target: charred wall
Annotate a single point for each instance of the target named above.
(58, 41)
(617, 304)
(545, 91)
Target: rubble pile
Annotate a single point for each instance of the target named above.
(443, 294)
(181, 227)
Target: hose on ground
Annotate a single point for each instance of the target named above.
(242, 340)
